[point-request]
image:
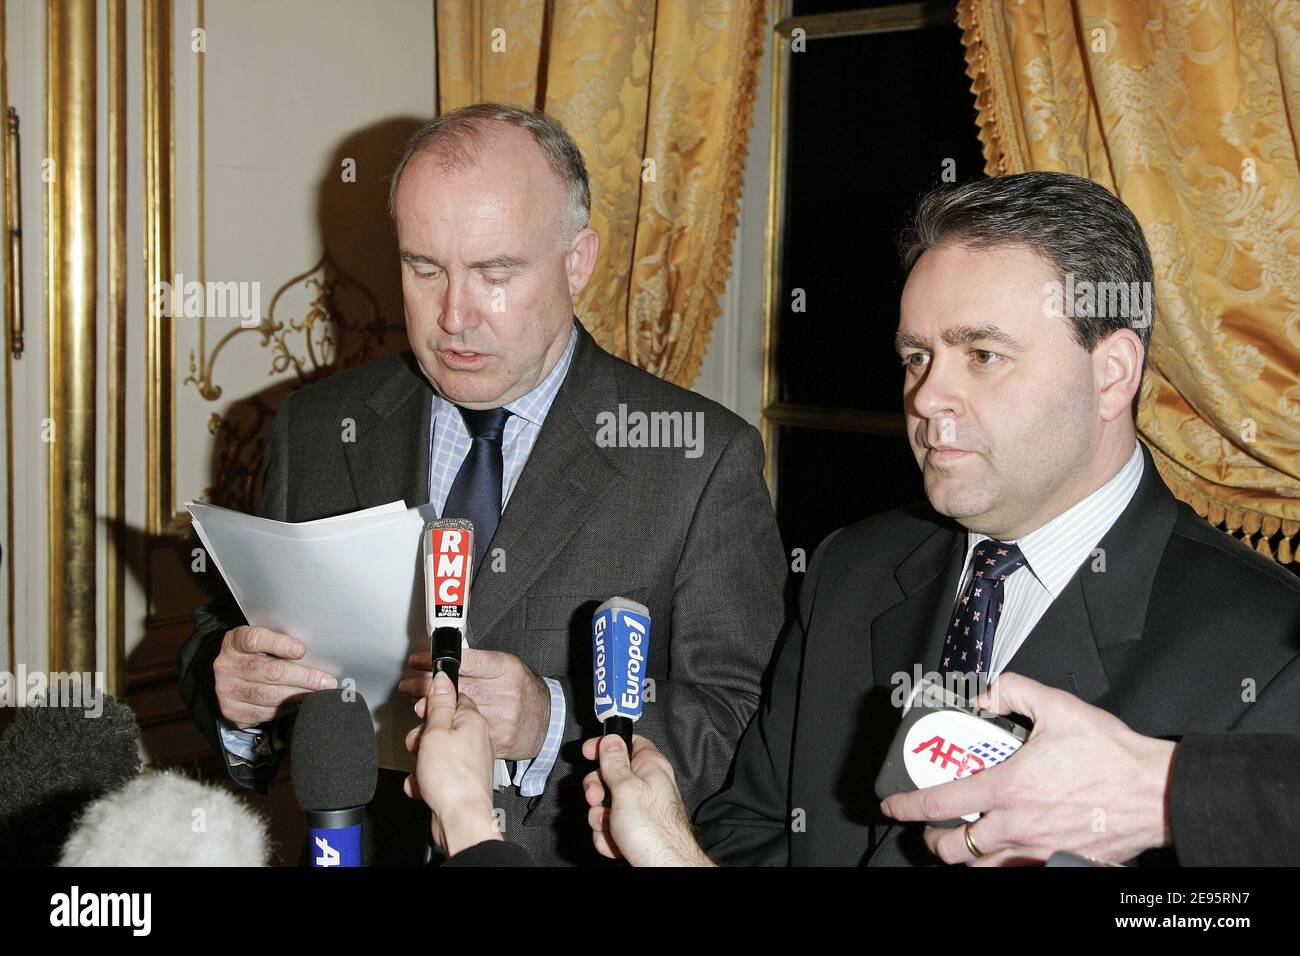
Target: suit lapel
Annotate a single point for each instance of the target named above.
(1061, 650)
(1097, 608)
(1105, 603)
(912, 631)
(566, 474)
(390, 458)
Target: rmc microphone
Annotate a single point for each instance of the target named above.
(448, 553)
(335, 770)
(448, 572)
(620, 645)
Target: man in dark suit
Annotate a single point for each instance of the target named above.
(1049, 544)
(585, 478)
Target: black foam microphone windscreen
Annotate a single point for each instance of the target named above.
(54, 760)
(335, 770)
(335, 757)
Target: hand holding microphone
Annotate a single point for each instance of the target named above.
(515, 701)
(1045, 797)
(453, 767)
(646, 822)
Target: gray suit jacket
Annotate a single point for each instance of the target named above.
(694, 539)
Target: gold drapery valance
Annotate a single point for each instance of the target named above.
(1188, 112)
(660, 98)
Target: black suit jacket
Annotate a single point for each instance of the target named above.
(1234, 800)
(1186, 630)
(492, 853)
(693, 538)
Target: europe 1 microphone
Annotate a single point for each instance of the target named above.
(620, 647)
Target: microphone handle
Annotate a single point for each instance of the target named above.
(449, 666)
(334, 837)
(623, 727)
(446, 644)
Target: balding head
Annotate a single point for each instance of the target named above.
(458, 138)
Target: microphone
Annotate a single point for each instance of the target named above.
(335, 770)
(448, 572)
(54, 760)
(167, 819)
(620, 644)
(448, 550)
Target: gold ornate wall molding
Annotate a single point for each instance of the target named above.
(71, 273)
(317, 322)
(159, 256)
(115, 451)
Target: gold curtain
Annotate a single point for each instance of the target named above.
(1188, 110)
(659, 97)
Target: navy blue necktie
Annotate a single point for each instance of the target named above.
(969, 647)
(476, 492)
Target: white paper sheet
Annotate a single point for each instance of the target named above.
(348, 587)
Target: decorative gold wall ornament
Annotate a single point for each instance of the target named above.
(340, 327)
(328, 341)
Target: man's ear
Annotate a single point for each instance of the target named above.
(1117, 367)
(580, 260)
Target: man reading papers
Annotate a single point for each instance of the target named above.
(505, 394)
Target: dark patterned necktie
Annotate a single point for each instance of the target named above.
(969, 647)
(476, 492)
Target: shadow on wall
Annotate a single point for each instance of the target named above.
(343, 314)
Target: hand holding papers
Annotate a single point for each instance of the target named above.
(345, 586)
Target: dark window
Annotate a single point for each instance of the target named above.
(871, 119)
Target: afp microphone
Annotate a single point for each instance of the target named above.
(620, 646)
(448, 572)
(335, 770)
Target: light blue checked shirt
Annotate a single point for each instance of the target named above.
(449, 443)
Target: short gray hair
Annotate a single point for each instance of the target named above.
(458, 135)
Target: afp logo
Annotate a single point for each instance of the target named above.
(948, 745)
(947, 755)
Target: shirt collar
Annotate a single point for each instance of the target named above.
(534, 406)
(1054, 551)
